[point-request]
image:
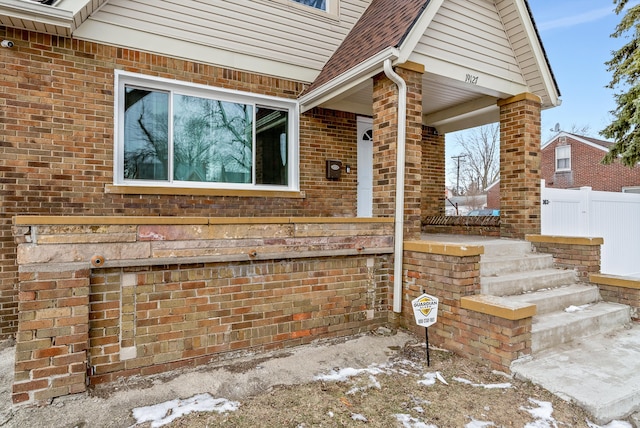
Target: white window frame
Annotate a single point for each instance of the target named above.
(558, 157)
(123, 78)
(631, 189)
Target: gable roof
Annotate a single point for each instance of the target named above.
(59, 18)
(384, 24)
(590, 141)
(397, 31)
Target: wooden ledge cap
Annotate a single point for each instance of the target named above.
(444, 248)
(615, 281)
(498, 307)
(570, 240)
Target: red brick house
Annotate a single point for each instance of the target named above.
(183, 182)
(570, 161)
(574, 161)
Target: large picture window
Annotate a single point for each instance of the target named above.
(175, 134)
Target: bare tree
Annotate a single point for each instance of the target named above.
(480, 158)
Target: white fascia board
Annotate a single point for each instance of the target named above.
(74, 6)
(575, 138)
(418, 29)
(347, 80)
(534, 41)
(32, 11)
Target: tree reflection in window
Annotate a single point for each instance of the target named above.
(212, 140)
(146, 124)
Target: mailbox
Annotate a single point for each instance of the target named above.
(334, 169)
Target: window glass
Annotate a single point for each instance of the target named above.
(563, 158)
(271, 146)
(213, 140)
(318, 4)
(175, 134)
(146, 121)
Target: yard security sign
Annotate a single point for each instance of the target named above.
(425, 310)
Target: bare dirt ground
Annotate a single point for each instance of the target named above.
(392, 387)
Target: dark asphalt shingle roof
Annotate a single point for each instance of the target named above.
(384, 24)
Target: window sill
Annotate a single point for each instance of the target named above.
(187, 191)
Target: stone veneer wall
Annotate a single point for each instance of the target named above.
(104, 297)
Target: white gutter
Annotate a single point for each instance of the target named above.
(400, 167)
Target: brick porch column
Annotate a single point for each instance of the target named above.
(519, 166)
(433, 172)
(385, 109)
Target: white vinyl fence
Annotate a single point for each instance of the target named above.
(613, 216)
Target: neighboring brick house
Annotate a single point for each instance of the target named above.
(570, 161)
(184, 181)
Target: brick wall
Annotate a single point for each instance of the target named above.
(52, 336)
(157, 319)
(622, 290)
(580, 254)
(481, 330)
(57, 138)
(462, 225)
(586, 169)
(132, 295)
(519, 166)
(433, 173)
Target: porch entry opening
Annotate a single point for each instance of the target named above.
(365, 167)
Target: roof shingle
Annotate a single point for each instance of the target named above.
(384, 24)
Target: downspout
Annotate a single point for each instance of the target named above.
(400, 167)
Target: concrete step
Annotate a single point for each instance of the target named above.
(500, 265)
(557, 299)
(522, 282)
(556, 328)
(599, 373)
(505, 247)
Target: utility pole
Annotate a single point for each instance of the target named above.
(458, 159)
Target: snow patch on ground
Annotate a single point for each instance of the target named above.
(164, 413)
(573, 308)
(479, 424)
(541, 411)
(430, 379)
(612, 424)
(482, 385)
(408, 421)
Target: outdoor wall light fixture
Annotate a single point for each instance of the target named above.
(6, 44)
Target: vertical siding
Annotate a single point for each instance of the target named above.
(279, 30)
(609, 215)
(470, 33)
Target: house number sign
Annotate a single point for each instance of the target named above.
(470, 78)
